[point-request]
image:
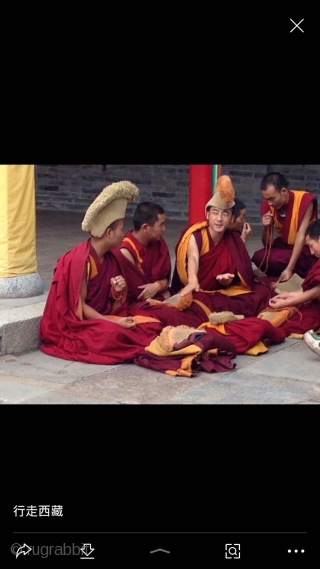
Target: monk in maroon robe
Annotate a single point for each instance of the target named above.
(144, 256)
(213, 263)
(289, 212)
(85, 317)
(239, 291)
(307, 302)
(110, 336)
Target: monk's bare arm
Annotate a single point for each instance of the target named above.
(300, 240)
(295, 298)
(126, 253)
(193, 261)
(299, 243)
(306, 296)
(163, 284)
(192, 267)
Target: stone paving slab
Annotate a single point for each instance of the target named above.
(132, 385)
(40, 360)
(295, 361)
(57, 398)
(246, 360)
(244, 389)
(18, 390)
(27, 370)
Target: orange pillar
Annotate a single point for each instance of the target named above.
(200, 190)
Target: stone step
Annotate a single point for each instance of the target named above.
(19, 328)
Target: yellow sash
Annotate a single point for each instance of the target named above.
(297, 197)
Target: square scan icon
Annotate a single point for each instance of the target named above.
(232, 551)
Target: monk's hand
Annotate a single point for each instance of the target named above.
(189, 288)
(246, 229)
(266, 219)
(225, 279)
(118, 283)
(285, 276)
(127, 322)
(273, 285)
(148, 291)
(277, 302)
(286, 295)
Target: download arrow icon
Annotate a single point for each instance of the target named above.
(87, 549)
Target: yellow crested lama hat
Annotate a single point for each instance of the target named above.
(109, 206)
(224, 194)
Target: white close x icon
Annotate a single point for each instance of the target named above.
(296, 25)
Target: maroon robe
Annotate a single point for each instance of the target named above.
(152, 263)
(246, 333)
(63, 331)
(308, 315)
(215, 356)
(230, 255)
(239, 337)
(169, 316)
(276, 260)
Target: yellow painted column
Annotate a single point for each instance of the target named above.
(18, 262)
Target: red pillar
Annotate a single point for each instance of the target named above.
(200, 190)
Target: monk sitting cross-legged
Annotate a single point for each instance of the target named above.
(306, 301)
(289, 212)
(86, 317)
(144, 255)
(213, 263)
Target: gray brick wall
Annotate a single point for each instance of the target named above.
(74, 187)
